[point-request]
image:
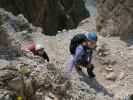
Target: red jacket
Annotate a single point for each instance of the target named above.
(32, 48)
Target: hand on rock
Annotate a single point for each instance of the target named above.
(30, 55)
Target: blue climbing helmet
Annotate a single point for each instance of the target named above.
(92, 36)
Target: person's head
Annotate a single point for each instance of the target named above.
(91, 40)
(40, 49)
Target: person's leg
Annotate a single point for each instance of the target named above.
(78, 69)
(90, 72)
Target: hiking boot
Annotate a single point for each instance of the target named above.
(90, 71)
(79, 70)
(91, 75)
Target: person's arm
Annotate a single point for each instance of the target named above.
(45, 56)
(29, 49)
(73, 62)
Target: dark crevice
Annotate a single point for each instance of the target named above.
(60, 14)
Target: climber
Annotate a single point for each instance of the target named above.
(37, 50)
(81, 49)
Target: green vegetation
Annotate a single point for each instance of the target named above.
(24, 70)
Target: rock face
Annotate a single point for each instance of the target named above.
(10, 27)
(117, 15)
(30, 77)
(91, 6)
(18, 78)
(60, 14)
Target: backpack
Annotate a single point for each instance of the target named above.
(76, 41)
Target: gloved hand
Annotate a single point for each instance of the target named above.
(30, 55)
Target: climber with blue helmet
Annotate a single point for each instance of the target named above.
(81, 49)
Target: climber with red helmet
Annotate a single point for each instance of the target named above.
(37, 50)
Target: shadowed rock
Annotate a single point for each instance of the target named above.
(60, 14)
(117, 15)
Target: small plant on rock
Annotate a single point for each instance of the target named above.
(24, 70)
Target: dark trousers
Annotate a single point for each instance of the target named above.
(83, 63)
